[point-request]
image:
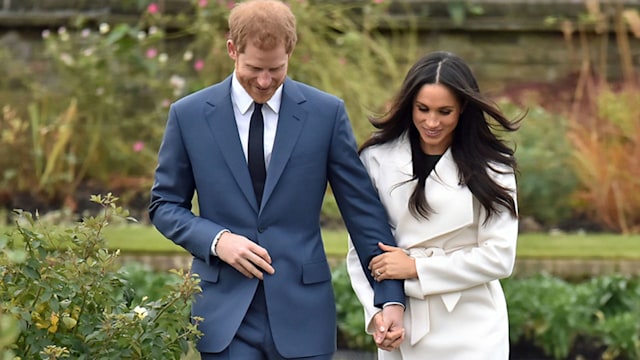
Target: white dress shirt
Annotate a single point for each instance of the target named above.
(243, 108)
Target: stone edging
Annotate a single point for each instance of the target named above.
(564, 268)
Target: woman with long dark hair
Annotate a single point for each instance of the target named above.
(447, 180)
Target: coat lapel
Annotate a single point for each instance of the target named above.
(219, 116)
(290, 122)
(442, 189)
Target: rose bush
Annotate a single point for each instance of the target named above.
(70, 297)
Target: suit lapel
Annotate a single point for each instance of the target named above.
(290, 122)
(222, 123)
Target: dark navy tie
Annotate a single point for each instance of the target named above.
(256, 151)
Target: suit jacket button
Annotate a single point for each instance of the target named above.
(261, 230)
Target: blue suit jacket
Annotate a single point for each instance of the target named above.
(314, 145)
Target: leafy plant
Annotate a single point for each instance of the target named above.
(69, 298)
(620, 333)
(618, 316)
(546, 311)
(546, 182)
(459, 10)
(351, 326)
(556, 315)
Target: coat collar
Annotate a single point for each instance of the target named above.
(451, 201)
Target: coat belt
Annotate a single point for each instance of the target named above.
(420, 303)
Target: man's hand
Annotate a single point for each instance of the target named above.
(389, 324)
(244, 255)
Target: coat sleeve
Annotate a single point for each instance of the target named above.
(359, 280)
(363, 213)
(361, 287)
(172, 193)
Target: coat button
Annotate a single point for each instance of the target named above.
(261, 230)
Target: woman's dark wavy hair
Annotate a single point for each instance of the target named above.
(474, 147)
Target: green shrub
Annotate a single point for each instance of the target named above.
(554, 314)
(548, 312)
(351, 327)
(146, 282)
(618, 315)
(620, 333)
(70, 299)
(546, 182)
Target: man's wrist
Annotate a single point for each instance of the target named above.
(215, 242)
(392, 303)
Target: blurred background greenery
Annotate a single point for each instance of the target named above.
(86, 115)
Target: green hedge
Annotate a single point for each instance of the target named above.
(597, 318)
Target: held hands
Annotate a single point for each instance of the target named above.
(244, 255)
(394, 263)
(389, 327)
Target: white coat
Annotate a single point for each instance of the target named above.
(456, 307)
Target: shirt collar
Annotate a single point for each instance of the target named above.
(244, 101)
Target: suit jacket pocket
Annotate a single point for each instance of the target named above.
(315, 272)
(210, 273)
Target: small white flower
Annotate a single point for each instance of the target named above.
(62, 32)
(46, 33)
(85, 33)
(153, 30)
(163, 57)
(177, 82)
(188, 55)
(140, 312)
(104, 28)
(66, 59)
(142, 35)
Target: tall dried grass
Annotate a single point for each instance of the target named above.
(604, 122)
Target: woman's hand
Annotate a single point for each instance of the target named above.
(393, 264)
